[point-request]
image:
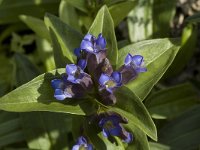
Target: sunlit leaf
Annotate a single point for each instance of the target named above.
(158, 55)
(103, 23)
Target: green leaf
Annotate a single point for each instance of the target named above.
(158, 146)
(163, 14)
(169, 103)
(188, 47)
(6, 72)
(48, 130)
(129, 106)
(37, 95)
(140, 22)
(103, 23)
(182, 132)
(79, 4)
(45, 52)
(25, 70)
(158, 55)
(37, 26)
(9, 126)
(9, 10)
(120, 10)
(140, 141)
(66, 13)
(11, 138)
(65, 39)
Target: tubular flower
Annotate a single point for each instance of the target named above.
(64, 89)
(75, 72)
(111, 126)
(110, 82)
(82, 144)
(133, 65)
(94, 45)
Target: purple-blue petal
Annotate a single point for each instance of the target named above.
(117, 76)
(128, 59)
(72, 79)
(71, 68)
(87, 45)
(82, 63)
(88, 37)
(103, 79)
(129, 138)
(81, 140)
(105, 133)
(101, 42)
(89, 147)
(59, 94)
(76, 147)
(116, 131)
(57, 83)
(77, 52)
(141, 70)
(137, 59)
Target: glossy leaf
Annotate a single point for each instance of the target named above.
(64, 39)
(37, 26)
(129, 106)
(37, 95)
(103, 23)
(169, 103)
(140, 23)
(182, 132)
(158, 55)
(9, 10)
(120, 10)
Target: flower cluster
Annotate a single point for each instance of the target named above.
(93, 74)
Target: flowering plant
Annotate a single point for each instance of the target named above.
(101, 88)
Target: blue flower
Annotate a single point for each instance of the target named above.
(60, 92)
(111, 126)
(75, 72)
(110, 82)
(133, 65)
(91, 44)
(65, 89)
(82, 144)
(136, 62)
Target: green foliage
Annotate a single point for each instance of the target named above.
(34, 51)
(158, 55)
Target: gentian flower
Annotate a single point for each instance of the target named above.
(133, 65)
(65, 89)
(75, 72)
(136, 62)
(110, 82)
(82, 144)
(91, 44)
(111, 126)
